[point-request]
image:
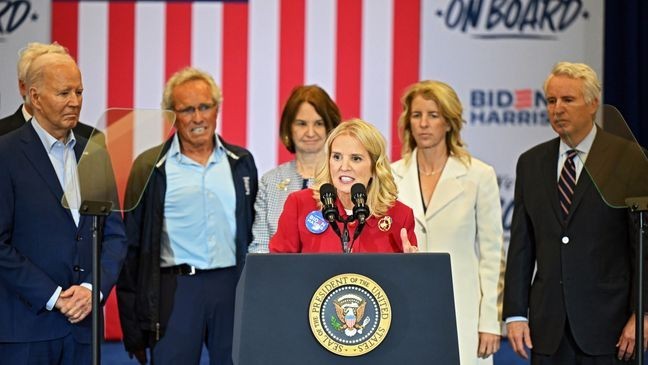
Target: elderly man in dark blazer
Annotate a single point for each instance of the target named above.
(46, 249)
(579, 302)
(25, 111)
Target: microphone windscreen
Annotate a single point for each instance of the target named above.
(327, 189)
(357, 189)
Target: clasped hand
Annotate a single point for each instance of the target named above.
(75, 303)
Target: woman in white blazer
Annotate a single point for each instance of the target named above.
(457, 209)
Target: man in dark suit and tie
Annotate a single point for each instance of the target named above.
(25, 112)
(577, 309)
(46, 249)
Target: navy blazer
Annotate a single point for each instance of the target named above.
(40, 245)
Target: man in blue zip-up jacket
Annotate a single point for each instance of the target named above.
(189, 233)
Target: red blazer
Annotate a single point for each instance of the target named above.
(293, 235)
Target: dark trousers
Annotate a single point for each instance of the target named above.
(569, 353)
(200, 310)
(61, 351)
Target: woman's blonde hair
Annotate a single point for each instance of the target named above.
(449, 107)
(381, 190)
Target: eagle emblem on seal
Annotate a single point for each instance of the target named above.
(350, 311)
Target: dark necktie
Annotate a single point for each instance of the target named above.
(567, 183)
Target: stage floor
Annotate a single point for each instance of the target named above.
(113, 353)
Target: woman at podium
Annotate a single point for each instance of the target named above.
(307, 118)
(456, 203)
(361, 213)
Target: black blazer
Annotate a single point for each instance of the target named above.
(584, 265)
(17, 120)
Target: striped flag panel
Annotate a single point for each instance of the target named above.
(363, 52)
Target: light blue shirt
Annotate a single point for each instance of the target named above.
(199, 211)
(583, 149)
(64, 162)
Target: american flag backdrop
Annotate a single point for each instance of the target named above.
(257, 51)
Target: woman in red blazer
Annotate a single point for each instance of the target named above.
(356, 153)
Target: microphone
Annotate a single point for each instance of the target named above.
(359, 199)
(327, 197)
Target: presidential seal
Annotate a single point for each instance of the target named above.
(350, 315)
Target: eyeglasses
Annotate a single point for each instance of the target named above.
(190, 110)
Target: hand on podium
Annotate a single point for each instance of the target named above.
(407, 246)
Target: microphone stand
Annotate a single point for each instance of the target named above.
(344, 235)
(639, 205)
(346, 245)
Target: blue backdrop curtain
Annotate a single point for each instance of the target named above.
(625, 82)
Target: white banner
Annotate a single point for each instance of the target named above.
(497, 54)
(21, 22)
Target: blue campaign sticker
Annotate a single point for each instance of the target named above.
(315, 222)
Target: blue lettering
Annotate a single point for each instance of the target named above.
(548, 13)
(508, 117)
(472, 16)
(567, 19)
(493, 117)
(529, 18)
(466, 15)
(13, 14)
(477, 99)
(504, 98)
(512, 14)
(453, 17)
(539, 100)
(494, 13)
(476, 117)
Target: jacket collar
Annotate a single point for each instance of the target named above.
(231, 151)
(447, 189)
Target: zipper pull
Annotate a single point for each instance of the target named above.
(157, 331)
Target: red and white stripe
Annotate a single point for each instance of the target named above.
(363, 52)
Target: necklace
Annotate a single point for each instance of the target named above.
(433, 172)
(429, 173)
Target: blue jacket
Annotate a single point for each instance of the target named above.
(40, 245)
(138, 288)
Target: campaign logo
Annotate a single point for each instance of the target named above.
(508, 107)
(350, 315)
(13, 14)
(513, 19)
(315, 222)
